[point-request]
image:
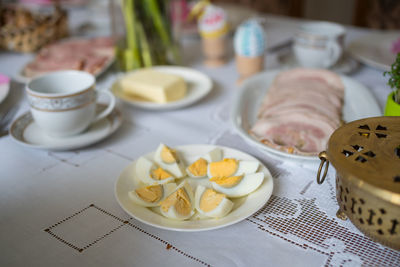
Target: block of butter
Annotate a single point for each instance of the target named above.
(156, 86)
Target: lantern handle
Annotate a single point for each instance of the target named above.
(324, 159)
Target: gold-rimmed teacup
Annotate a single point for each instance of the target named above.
(319, 44)
(63, 103)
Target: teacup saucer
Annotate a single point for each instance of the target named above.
(26, 132)
(345, 65)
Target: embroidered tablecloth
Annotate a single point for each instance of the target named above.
(59, 209)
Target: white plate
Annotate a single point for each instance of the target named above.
(345, 65)
(358, 103)
(26, 132)
(375, 49)
(199, 85)
(243, 207)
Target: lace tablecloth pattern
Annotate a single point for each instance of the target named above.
(58, 208)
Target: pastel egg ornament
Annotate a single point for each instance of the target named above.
(249, 43)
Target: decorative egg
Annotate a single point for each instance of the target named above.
(250, 39)
(213, 22)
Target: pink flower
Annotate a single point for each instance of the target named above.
(396, 46)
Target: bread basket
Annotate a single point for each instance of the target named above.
(366, 156)
(24, 31)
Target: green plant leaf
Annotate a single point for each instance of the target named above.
(394, 78)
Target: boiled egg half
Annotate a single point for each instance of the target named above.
(179, 205)
(238, 186)
(235, 178)
(169, 160)
(231, 167)
(149, 173)
(151, 195)
(198, 169)
(211, 203)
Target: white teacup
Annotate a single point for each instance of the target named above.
(63, 103)
(319, 44)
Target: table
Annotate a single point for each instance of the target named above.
(59, 209)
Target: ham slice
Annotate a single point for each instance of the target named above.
(300, 111)
(90, 55)
(295, 132)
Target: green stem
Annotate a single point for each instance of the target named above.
(145, 48)
(154, 13)
(132, 57)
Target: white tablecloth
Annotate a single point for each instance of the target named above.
(59, 209)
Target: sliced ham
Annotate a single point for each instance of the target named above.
(300, 111)
(90, 55)
(308, 108)
(304, 132)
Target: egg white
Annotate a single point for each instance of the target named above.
(177, 169)
(223, 208)
(166, 190)
(143, 169)
(248, 184)
(213, 155)
(244, 167)
(172, 213)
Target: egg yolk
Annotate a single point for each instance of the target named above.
(199, 167)
(168, 155)
(180, 200)
(227, 181)
(160, 174)
(223, 168)
(210, 200)
(151, 193)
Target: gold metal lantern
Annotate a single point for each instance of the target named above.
(366, 156)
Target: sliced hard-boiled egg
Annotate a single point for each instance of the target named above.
(150, 173)
(179, 205)
(211, 203)
(198, 169)
(169, 160)
(238, 186)
(232, 167)
(151, 195)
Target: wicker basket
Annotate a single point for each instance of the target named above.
(23, 31)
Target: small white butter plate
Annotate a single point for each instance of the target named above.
(199, 85)
(27, 133)
(243, 206)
